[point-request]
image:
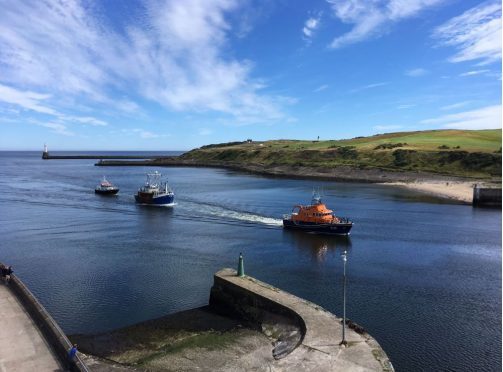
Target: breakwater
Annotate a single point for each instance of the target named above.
(47, 156)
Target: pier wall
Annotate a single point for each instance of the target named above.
(490, 197)
(50, 330)
(307, 337)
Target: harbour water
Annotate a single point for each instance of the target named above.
(424, 275)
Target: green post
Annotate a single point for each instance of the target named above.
(241, 269)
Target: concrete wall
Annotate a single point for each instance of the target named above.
(54, 336)
(271, 317)
(490, 197)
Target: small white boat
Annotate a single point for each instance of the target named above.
(106, 188)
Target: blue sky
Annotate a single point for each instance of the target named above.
(174, 75)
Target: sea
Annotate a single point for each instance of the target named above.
(423, 274)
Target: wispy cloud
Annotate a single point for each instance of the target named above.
(484, 118)
(371, 18)
(57, 128)
(320, 88)
(37, 103)
(205, 132)
(416, 72)
(310, 27)
(476, 34)
(142, 133)
(455, 105)
(406, 106)
(387, 127)
(474, 72)
(369, 86)
(27, 100)
(176, 54)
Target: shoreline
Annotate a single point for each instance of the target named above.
(460, 191)
(449, 187)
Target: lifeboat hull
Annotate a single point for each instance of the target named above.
(326, 228)
(110, 191)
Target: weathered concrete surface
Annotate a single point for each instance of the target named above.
(22, 347)
(318, 349)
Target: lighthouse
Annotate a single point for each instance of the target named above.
(45, 154)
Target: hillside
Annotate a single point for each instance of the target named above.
(459, 153)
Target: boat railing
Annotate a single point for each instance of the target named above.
(344, 220)
(287, 216)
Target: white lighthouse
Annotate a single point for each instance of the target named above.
(45, 154)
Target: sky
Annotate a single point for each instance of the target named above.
(179, 74)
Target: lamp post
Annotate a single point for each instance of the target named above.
(344, 259)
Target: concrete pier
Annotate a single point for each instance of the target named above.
(30, 339)
(22, 346)
(307, 336)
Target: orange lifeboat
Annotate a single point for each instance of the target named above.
(317, 218)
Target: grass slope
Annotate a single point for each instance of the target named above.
(450, 152)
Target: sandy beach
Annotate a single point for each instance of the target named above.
(456, 190)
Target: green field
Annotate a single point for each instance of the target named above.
(450, 152)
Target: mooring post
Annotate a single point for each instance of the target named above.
(241, 269)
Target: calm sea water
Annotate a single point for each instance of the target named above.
(424, 276)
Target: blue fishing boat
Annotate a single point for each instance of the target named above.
(155, 192)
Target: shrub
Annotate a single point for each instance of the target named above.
(347, 152)
(477, 160)
(443, 147)
(385, 146)
(402, 157)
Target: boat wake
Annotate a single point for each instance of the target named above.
(169, 205)
(217, 211)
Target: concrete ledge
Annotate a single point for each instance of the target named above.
(486, 197)
(308, 337)
(52, 333)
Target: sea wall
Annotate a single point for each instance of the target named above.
(490, 197)
(306, 337)
(50, 330)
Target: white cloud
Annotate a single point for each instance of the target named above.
(57, 128)
(387, 127)
(406, 106)
(85, 120)
(320, 88)
(371, 17)
(144, 134)
(474, 72)
(205, 132)
(369, 86)
(26, 99)
(416, 72)
(476, 34)
(310, 27)
(176, 54)
(484, 118)
(455, 105)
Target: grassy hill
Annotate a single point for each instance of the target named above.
(462, 153)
